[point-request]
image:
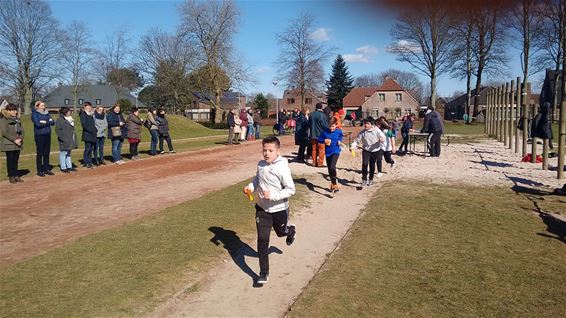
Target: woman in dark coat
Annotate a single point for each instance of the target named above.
(134, 124)
(12, 140)
(89, 134)
(163, 129)
(42, 123)
(67, 138)
(117, 131)
(302, 138)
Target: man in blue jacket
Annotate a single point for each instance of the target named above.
(318, 122)
(42, 123)
(434, 126)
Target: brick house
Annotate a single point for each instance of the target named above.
(389, 99)
(292, 99)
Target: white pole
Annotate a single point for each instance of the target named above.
(276, 104)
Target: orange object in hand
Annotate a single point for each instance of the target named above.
(327, 142)
(249, 193)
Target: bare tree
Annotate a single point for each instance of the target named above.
(301, 58)
(462, 58)
(371, 79)
(114, 55)
(423, 35)
(30, 47)
(210, 27)
(78, 55)
(488, 47)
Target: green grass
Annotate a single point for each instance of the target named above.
(128, 270)
(180, 127)
(449, 251)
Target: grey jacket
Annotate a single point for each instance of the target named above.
(11, 130)
(66, 135)
(370, 140)
(101, 126)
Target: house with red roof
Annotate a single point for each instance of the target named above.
(389, 99)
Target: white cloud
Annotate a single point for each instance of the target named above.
(403, 46)
(364, 54)
(262, 70)
(321, 34)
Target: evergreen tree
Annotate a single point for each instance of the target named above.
(261, 102)
(340, 82)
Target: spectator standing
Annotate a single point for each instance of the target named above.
(244, 123)
(163, 129)
(251, 133)
(42, 123)
(153, 131)
(65, 128)
(281, 122)
(318, 122)
(237, 127)
(89, 134)
(12, 140)
(134, 125)
(302, 135)
(434, 126)
(116, 132)
(231, 122)
(101, 126)
(257, 123)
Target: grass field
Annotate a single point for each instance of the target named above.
(450, 251)
(128, 270)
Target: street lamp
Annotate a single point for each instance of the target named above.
(276, 103)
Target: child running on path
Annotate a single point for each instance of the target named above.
(370, 139)
(331, 138)
(389, 145)
(274, 185)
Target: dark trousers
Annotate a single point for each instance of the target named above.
(405, 142)
(331, 163)
(12, 158)
(42, 148)
(154, 140)
(368, 158)
(379, 161)
(169, 143)
(303, 146)
(134, 149)
(264, 222)
(387, 156)
(99, 149)
(434, 144)
(88, 152)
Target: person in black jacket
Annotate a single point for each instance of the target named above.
(434, 126)
(405, 130)
(89, 134)
(163, 129)
(302, 138)
(67, 138)
(117, 131)
(540, 125)
(231, 125)
(42, 123)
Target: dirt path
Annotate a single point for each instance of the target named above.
(43, 213)
(228, 291)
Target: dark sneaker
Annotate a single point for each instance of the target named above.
(49, 173)
(13, 180)
(263, 278)
(291, 235)
(41, 174)
(18, 179)
(65, 171)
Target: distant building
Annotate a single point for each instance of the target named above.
(97, 94)
(455, 109)
(292, 99)
(199, 109)
(389, 99)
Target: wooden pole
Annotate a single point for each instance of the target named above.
(532, 116)
(497, 103)
(545, 154)
(511, 114)
(517, 114)
(500, 133)
(505, 114)
(486, 117)
(491, 110)
(525, 118)
(562, 139)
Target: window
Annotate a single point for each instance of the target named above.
(308, 100)
(81, 101)
(381, 97)
(290, 100)
(98, 101)
(66, 102)
(398, 97)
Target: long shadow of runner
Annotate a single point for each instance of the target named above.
(237, 249)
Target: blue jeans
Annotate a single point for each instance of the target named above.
(65, 160)
(257, 126)
(154, 139)
(117, 149)
(99, 149)
(250, 131)
(87, 154)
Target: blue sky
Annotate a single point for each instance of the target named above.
(358, 32)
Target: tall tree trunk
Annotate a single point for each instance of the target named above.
(469, 93)
(477, 96)
(433, 89)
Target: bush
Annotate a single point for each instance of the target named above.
(210, 125)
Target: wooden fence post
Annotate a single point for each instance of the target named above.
(532, 116)
(525, 118)
(562, 139)
(517, 114)
(505, 114)
(501, 106)
(497, 104)
(511, 113)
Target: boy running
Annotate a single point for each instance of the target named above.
(332, 138)
(274, 185)
(371, 140)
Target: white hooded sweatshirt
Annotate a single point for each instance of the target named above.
(275, 178)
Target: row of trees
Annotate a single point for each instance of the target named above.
(472, 42)
(35, 52)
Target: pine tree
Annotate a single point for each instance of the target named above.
(340, 82)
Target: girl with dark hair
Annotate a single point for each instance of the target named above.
(67, 138)
(406, 127)
(332, 138)
(134, 124)
(42, 123)
(116, 132)
(101, 126)
(12, 140)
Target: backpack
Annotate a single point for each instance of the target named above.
(147, 124)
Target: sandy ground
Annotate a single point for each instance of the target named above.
(228, 290)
